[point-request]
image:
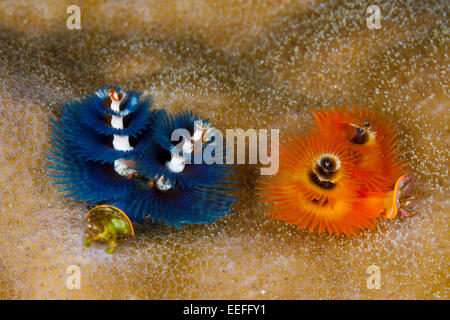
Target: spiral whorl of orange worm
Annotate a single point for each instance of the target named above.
(376, 143)
(339, 177)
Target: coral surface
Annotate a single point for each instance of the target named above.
(258, 64)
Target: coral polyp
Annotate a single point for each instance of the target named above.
(342, 176)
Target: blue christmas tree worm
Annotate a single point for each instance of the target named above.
(113, 150)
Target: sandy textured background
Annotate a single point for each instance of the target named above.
(259, 64)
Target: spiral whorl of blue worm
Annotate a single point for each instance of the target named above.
(113, 148)
(162, 149)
